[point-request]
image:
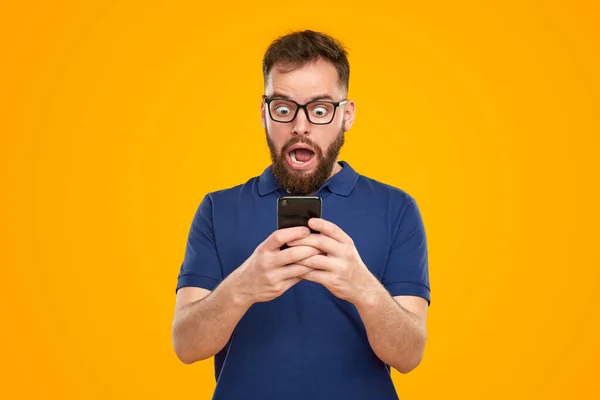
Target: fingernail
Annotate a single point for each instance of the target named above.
(306, 231)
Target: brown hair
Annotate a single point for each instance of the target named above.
(298, 48)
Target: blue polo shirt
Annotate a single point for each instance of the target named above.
(307, 343)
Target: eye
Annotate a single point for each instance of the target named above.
(282, 110)
(320, 111)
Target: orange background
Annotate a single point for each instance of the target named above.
(116, 118)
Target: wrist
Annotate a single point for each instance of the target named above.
(371, 294)
(233, 290)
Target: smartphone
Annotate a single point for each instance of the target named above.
(296, 211)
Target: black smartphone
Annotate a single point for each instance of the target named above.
(296, 211)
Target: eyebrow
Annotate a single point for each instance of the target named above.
(313, 98)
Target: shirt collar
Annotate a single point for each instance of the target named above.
(341, 183)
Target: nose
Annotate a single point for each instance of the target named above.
(301, 124)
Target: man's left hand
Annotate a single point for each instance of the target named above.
(340, 268)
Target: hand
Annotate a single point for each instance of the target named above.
(269, 272)
(338, 265)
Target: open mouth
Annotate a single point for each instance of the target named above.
(300, 158)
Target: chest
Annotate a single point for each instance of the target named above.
(249, 225)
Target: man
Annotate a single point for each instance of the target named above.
(326, 317)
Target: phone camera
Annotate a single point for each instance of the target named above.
(284, 203)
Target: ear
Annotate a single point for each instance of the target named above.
(263, 116)
(349, 113)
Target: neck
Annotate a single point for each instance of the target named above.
(336, 168)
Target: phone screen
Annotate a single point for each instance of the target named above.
(296, 211)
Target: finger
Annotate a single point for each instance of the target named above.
(322, 277)
(288, 283)
(291, 271)
(294, 254)
(319, 262)
(321, 242)
(285, 235)
(330, 229)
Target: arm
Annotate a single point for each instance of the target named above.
(396, 327)
(204, 321)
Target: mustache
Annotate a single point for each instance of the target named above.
(296, 140)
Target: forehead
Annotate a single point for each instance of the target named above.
(301, 83)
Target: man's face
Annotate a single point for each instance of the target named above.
(304, 155)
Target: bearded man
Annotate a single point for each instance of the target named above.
(327, 316)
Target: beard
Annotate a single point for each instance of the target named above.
(301, 183)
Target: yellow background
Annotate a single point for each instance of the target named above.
(117, 117)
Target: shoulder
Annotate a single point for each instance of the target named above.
(392, 203)
(225, 203)
(396, 205)
(233, 192)
(382, 191)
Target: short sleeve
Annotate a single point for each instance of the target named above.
(406, 272)
(201, 266)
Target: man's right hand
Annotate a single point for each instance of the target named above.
(269, 271)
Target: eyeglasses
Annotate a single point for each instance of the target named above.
(318, 112)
